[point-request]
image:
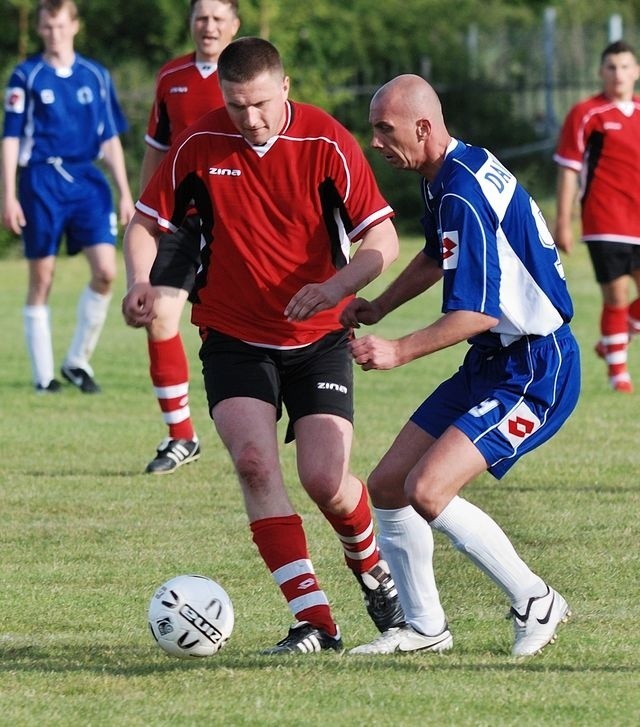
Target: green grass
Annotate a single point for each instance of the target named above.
(86, 538)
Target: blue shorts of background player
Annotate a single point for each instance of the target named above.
(510, 401)
(65, 199)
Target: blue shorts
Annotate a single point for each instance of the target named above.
(72, 200)
(508, 402)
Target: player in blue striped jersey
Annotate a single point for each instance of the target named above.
(505, 293)
(61, 114)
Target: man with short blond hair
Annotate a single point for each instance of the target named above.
(61, 114)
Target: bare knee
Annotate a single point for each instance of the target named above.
(425, 498)
(386, 489)
(325, 490)
(251, 468)
(102, 280)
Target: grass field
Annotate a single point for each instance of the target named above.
(86, 538)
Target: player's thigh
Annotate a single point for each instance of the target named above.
(247, 427)
(45, 212)
(386, 483)
(448, 465)
(323, 448)
(91, 219)
(168, 306)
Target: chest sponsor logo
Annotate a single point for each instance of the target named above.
(179, 89)
(520, 424)
(612, 126)
(47, 96)
(84, 95)
(224, 172)
(449, 248)
(14, 100)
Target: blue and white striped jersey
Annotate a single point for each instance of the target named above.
(494, 247)
(61, 113)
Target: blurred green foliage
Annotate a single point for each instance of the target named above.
(479, 54)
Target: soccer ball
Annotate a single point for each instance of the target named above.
(191, 616)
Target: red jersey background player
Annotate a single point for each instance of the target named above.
(282, 191)
(186, 88)
(599, 153)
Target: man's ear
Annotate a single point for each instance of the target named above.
(423, 129)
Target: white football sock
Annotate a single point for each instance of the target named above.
(475, 534)
(406, 543)
(37, 332)
(91, 315)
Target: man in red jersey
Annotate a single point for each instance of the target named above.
(187, 87)
(599, 152)
(282, 191)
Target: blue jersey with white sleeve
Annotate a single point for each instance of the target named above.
(61, 113)
(494, 247)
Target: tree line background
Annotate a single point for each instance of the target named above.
(506, 75)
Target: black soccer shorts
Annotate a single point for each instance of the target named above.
(314, 379)
(612, 260)
(178, 257)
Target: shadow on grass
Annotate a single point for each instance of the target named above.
(141, 661)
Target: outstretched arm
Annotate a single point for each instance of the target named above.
(419, 275)
(373, 352)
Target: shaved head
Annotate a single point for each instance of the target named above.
(409, 95)
(408, 125)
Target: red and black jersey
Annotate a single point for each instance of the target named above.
(274, 218)
(601, 140)
(184, 93)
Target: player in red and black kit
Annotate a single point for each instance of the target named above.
(599, 152)
(282, 191)
(187, 87)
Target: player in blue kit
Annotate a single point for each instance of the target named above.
(504, 292)
(61, 114)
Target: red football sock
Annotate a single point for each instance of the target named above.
(634, 317)
(615, 340)
(355, 532)
(283, 547)
(169, 371)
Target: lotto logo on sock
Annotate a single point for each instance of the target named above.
(519, 425)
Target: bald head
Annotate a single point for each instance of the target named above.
(408, 125)
(410, 95)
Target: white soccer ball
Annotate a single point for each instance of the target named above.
(191, 616)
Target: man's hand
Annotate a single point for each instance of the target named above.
(13, 216)
(360, 311)
(373, 352)
(137, 305)
(313, 298)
